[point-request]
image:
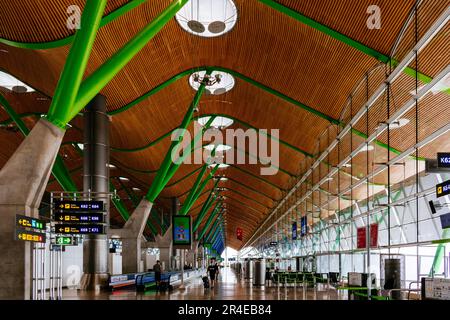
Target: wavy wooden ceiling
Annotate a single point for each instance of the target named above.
(265, 45)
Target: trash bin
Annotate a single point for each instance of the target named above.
(259, 278)
(249, 269)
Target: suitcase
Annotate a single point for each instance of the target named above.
(205, 282)
(163, 286)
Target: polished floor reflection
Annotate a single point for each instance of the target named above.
(229, 287)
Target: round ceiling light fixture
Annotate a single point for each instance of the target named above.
(218, 122)
(207, 18)
(217, 83)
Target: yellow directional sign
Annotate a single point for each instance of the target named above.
(28, 222)
(25, 235)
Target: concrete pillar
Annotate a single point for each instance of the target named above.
(164, 243)
(131, 235)
(96, 179)
(23, 180)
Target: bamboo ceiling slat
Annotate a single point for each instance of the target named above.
(350, 17)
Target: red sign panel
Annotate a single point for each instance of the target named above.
(239, 233)
(361, 236)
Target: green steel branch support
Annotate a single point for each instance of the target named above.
(59, 170)
(202, 214)
(190, 198)
(130, 194)
(198, 192)
(104, 74)
(161, 180)
(174, 166)
(212, 218)
(122, 209)
(214, 229)
(72, 74)
(206, 206)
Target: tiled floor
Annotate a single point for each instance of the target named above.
(229, 287)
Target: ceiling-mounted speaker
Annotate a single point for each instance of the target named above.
(19, 89)
(196, 26)
(432, 206)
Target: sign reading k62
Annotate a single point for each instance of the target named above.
(443, 159)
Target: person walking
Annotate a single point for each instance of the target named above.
(213, 271)
(157, 271)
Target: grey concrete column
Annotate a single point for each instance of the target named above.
(96, 179)
(131, 235)
(23, 180)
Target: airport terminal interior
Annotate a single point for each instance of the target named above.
(225, 150)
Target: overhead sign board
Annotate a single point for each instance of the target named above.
(28, 222)
(443, 159)
(294, 231)
(445, 221)
(66, 241)
(303, 226)
(26, 235)
(70, 206)
(239, 233)
(182, 232)
(361, 236)
(79, 217)
(443, 189)
(79, 229)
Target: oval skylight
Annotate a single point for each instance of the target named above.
(221, 165)
(218, 122)
(13, 84)
(220, 83)
(207, 18)
(219, 147)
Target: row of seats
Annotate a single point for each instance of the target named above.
(303, 277)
